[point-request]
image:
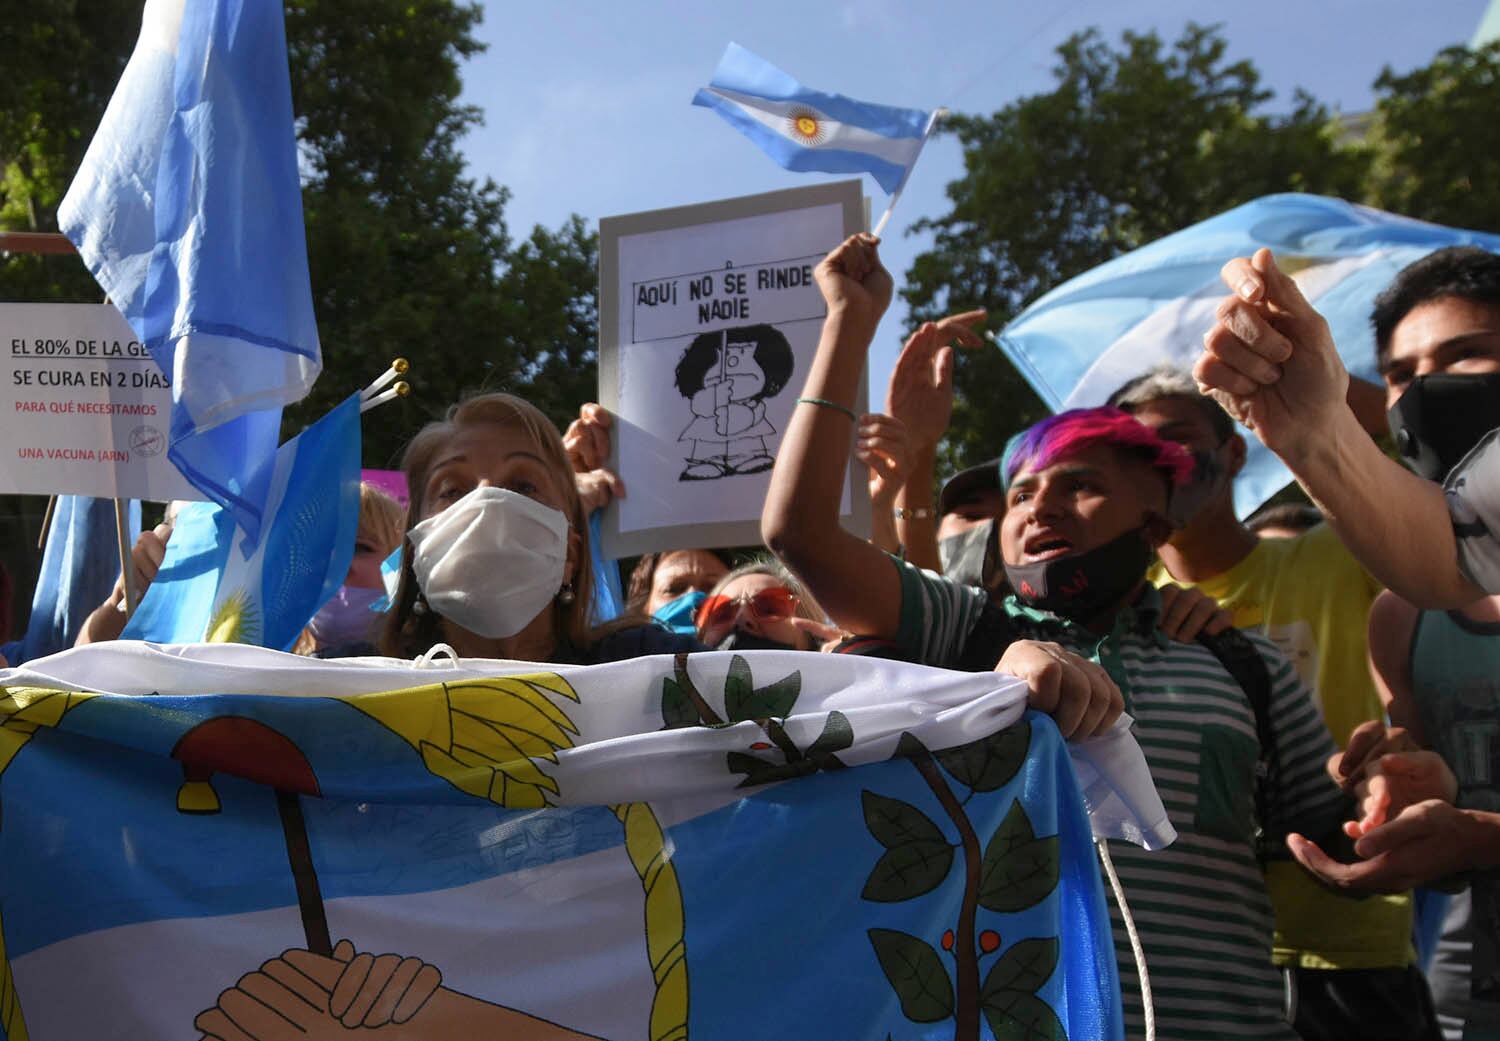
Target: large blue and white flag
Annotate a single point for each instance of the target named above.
(805, 129)
(1081, 341)
(187, 208)
(207, 589)
(708, 846)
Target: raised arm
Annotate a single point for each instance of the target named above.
(107, 621)
(855, 582)
(1392, 624)
(1271, 361)
(920, 395)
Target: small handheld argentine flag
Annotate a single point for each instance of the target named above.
(806, 129)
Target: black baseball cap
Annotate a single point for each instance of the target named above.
(982, 478)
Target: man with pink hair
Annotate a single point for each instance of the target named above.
(1230, 733)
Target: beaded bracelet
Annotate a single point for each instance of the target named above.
(824, 403)
(913, 513)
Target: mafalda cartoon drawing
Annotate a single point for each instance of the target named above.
(727, 378)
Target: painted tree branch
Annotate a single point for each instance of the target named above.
(965, 948)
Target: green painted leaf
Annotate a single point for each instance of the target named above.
(677, 709)
(908, 871)
(837, 735)
(917, 975)
(908, 747)
(895, 823)
(990, 762)
(1017, 1015)
(744, 763)
(1026, 965)
(737, 687)
(1019, 870)
(773, 701)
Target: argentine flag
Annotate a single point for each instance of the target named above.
(1080, 342)
(210, 589)
(187, 209)
(806, 129)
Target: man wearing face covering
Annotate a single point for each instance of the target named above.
(1437, 347)
(1088, 494)
(1311, 597)
(969, 510)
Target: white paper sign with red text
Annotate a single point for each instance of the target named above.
(84, 410)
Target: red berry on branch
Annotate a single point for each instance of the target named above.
(948, 940)
(989, 941)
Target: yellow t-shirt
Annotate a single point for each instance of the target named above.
(1312, 598)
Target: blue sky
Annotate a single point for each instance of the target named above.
(587, 105)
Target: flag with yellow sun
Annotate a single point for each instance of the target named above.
(805, 129)
(210, 589)
(233, 843)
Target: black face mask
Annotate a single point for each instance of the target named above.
(1441, 417)
(1081, 586)
(1208, 480)
(968, 558)
(739, 640)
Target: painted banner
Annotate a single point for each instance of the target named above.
(709, 320)
(83, 408)
(716, 846)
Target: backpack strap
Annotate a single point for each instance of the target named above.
(1242, 661)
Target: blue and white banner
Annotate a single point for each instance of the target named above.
(210, 588)
(1081, 341)
(187, 208)
(805, 129)
(718, 846)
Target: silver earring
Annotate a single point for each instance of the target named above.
(419, 605)
(565, 596)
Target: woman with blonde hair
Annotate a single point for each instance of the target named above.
(497, 555)
(349, 620)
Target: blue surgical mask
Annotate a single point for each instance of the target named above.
(677, 615)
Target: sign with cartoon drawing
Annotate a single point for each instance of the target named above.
(709, 319)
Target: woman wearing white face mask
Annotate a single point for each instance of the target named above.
(497, 556)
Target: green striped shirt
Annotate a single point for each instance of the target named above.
(1200, 905)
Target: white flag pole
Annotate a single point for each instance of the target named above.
(885, 217)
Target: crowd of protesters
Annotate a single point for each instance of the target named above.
(1317, 690)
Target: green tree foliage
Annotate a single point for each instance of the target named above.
(1437, 132)
(62, 60)
(1134, 142)
(409, 254)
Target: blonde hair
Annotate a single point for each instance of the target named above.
(380, 518)
(408, 633)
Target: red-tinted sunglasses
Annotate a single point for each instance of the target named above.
(769, 605)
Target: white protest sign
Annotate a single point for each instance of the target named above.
(84, 410)
(709, 320)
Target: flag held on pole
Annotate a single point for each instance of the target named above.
(808, 130)
(187, 208)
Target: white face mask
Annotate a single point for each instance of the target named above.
(492, 561)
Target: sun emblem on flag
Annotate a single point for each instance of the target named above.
(234, 620)
(806, 126)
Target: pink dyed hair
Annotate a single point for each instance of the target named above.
(1068, 433)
